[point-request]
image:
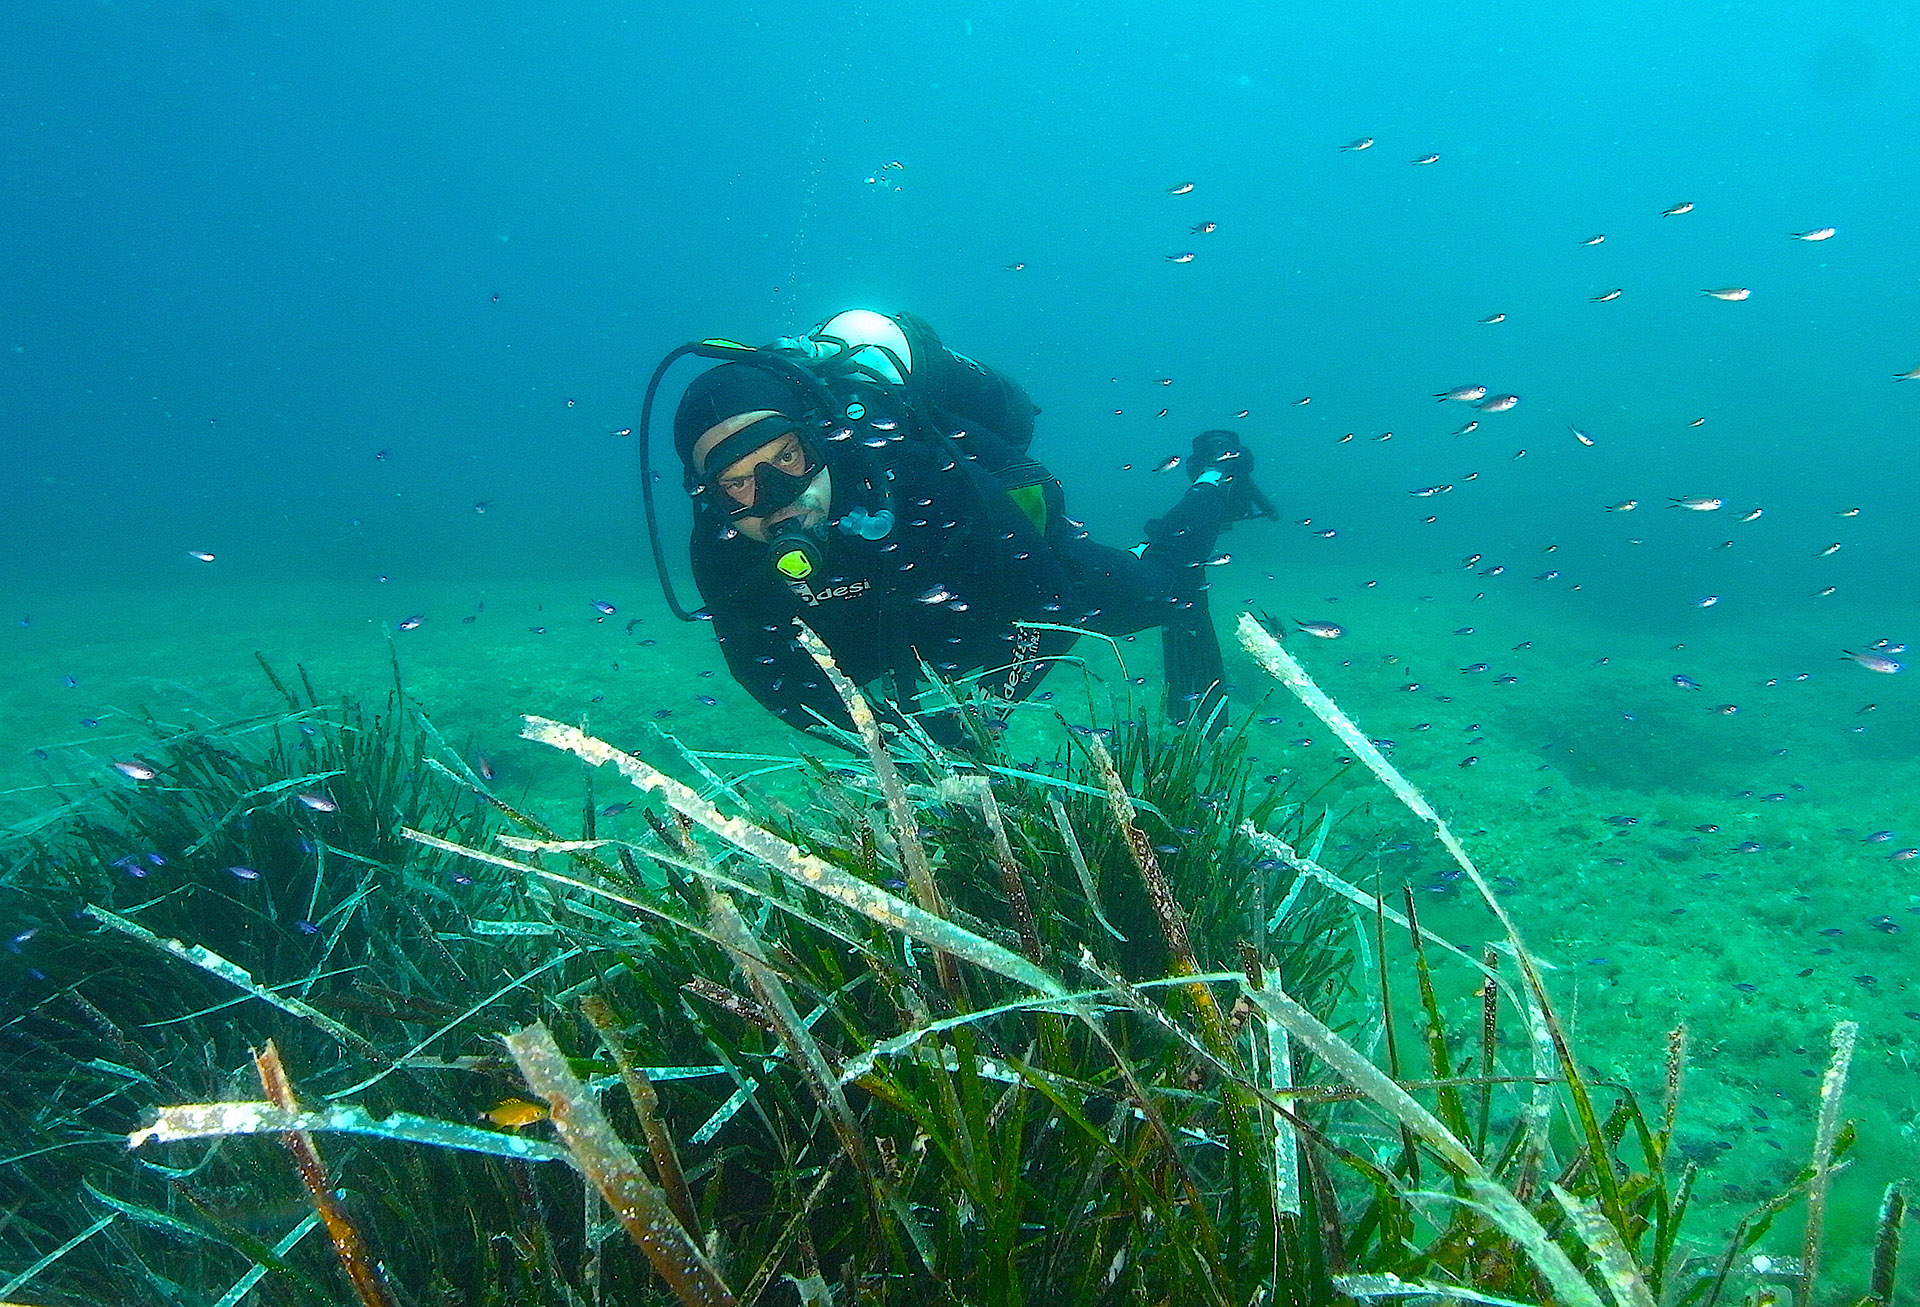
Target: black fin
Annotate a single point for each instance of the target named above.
(1193, 670)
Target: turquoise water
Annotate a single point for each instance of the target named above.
(356, 305)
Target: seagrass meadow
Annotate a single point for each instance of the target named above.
(316, 1013)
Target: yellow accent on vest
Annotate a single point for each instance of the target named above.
(793, 565)
(1031, 500)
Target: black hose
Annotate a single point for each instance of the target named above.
(646, 482)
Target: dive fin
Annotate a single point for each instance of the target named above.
(1193, 671)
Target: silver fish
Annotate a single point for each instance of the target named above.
(1874, 662)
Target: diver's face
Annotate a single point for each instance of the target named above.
(739, 482)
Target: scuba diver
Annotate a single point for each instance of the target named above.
(878, 486)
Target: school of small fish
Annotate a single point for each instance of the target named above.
(1882, 657)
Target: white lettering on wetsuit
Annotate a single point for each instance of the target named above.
(814, 598)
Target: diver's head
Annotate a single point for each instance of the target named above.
(751, 449)
(777, 481)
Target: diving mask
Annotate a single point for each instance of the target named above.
(789, 463)
(775, 489)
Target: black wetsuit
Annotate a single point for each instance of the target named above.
(962, 562)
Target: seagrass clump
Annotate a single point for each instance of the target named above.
(948, 1030)
(254, 887)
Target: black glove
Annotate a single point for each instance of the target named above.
(1221, 451)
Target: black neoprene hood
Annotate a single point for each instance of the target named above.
(728, 391)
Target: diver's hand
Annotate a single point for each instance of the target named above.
(1231, 465)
